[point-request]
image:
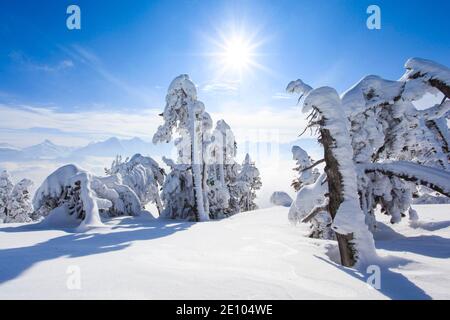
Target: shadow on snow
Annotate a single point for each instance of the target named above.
(14, 261)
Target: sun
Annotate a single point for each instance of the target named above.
(237, 54)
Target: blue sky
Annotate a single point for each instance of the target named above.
(118, 66)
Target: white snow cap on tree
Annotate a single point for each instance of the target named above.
(19, 203)
(427, 70)
(181, 95)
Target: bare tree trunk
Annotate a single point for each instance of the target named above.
(335, 190)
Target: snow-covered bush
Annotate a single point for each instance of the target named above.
(15, 200)
(6, 187)
(19, 202)
(247, 182)
(143, 175)
(281, 198)
(115, 198)
(394, 146)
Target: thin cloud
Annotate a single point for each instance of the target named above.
(220, 87)
(25, 61)
(262, 125)
(89, 124)
(282, 96)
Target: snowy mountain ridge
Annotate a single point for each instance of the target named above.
(49, 150)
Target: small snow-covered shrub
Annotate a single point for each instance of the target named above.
(6, 187)
(247, 182)
(19, 203)
(15, 200)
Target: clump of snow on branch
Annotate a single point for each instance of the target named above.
(308, 173)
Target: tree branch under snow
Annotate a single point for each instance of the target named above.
(314, 212)
(313, 165)
(433, 178)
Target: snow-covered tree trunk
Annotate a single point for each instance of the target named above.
(197, 166)
(335, 187)
(354, 238)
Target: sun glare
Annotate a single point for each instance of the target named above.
(237, 54)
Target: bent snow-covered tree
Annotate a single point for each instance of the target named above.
(72, 197)
(394, 145)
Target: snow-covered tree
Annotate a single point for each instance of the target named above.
(19, 202)
(186, 115)
(6, 187)
(221, 153)
(394, 145)
(247, 182)
(143, 175)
